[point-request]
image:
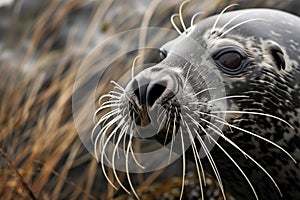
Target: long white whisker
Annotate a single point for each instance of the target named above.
(204, 90)
(168, 124)
(214, 167)
(214, 116)
(197, 160)
(183, 164)
(252, 113)
(108, 95)
(187, 76)
(127, 167)
(210, 158)
(102, 162)
(231, 20)
(234, 162)
(211, 161)
(260, 137)
(118, 86)
(133, 65)
(239, 24)
(111, 102)
(115, 93)
(194, 17)
(252, 159)
(107, 106)
(180, 15)
(227, 97)
(99, 122)
(174, 25)
(163, 121)
(113, 161)
(102, 135)
(106, 116)
(162, 113)
(220, 15)
(134, 158)
(172, 141)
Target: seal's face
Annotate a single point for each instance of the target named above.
(238, 80)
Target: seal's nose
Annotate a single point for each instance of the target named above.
(149, 91)
(149, 88)
(145, 93)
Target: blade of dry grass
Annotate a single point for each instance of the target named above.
(19, 176)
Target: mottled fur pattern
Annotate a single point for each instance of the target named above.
(257, 155)
(271, 91)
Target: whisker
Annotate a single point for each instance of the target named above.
(231, 20)
(107, 106)
(174, 25)
(113, 158)
(239, 24)
(197, 161)
(204, 90)
(102, 164)
(214, 116)
(164, 120)
(172, 141)
(183, 164)
(168, 124)
(102, 134)
(99, 122)
(180, 14)
(234, 162)
(134, 158)
(106, 116)
(113, 92)
(211, 161)
(162, 113)
(118, 86)
(209, 156)
(260, 137)
(133, 65)
(253, 113)
(127, 167)
(187, 76)
(227, 97)
(219, 17)
(108, 95)
(194, 17)
(252, 159)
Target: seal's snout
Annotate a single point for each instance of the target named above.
(149, 89)
(145, 93)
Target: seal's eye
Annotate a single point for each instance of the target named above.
(162, 55)
(230, 60)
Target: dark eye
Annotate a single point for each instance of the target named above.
(231, 60)
(162, 55)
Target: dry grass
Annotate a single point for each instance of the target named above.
(42, 156)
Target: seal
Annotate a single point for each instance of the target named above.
(254, 55)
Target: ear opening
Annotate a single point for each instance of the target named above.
(277, 54)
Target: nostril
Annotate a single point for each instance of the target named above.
(155, 90)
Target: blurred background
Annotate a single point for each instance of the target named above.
(42, 44)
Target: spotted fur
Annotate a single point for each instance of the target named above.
(270, 90)
(257, 155)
